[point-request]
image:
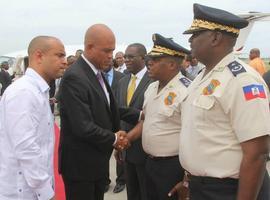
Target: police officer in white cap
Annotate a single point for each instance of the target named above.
(224, 141)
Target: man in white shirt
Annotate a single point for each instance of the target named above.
(194, 68)
(26, 126)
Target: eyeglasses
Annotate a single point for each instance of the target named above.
(130, 57)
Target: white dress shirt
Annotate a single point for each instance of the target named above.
(139, 76)
(26, 140)
(121, 68)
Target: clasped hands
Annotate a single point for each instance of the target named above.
(122, 141)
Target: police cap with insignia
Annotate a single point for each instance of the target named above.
(166, 47)
(207, 18)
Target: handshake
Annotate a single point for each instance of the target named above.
(122, 141)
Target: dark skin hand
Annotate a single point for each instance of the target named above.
(132, 135)
(181, 189)
(136, 132)
(122, 141)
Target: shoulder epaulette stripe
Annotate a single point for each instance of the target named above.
(186, 82)
(236, 68)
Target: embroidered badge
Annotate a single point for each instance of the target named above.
(170, 98)
(236, 68)
(254, 91)
(211, 87)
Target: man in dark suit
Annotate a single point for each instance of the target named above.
(112, 76)
(130, 93)
(89, 119)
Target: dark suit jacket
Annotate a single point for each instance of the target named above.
(88, 124)
(135, 153)
(116, 77)
(5, 80)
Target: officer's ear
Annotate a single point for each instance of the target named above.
(172, 62)
(217, 37)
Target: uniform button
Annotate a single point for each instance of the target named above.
(20, 173)
(39, 195)
(49, 123)
(20, 190)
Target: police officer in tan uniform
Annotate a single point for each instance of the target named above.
(162, 110)
(224, 140)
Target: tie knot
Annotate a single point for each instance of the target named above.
(99, 75)
(100, 79)
(133, 77)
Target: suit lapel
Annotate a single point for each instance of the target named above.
(94, 81)
(125, 88)
(140, 87)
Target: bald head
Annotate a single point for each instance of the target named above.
(47, 57)
(255, 51)
(99, 44)
(42, 43)
(97, 33)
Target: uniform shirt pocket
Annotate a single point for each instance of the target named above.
(204, 102)
(167, 111)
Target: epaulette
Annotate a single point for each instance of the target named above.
(236, 68)
(186, 82)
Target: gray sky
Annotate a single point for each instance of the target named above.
(131, 21)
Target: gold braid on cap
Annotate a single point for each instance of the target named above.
(198, 23)
(158, 50)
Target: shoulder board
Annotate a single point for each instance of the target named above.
(186, 82)
(236, 68)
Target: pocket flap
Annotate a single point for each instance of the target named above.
(166, 111)
(205, 102)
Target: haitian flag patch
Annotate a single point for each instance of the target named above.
(254, 91)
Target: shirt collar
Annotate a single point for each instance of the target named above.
(95, 70)
(42, 84)
(110, 72)
(224, 62)
(171, 82)
(122, 66)
(141, 73)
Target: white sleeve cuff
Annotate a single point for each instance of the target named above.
(46, 192)
(115, 140)
(140, 117)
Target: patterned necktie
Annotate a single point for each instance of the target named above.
(131, 88)
(100, 79)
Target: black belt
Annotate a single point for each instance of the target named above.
(157, 158)
(210, 180)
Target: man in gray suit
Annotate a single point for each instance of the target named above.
(130, 93)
